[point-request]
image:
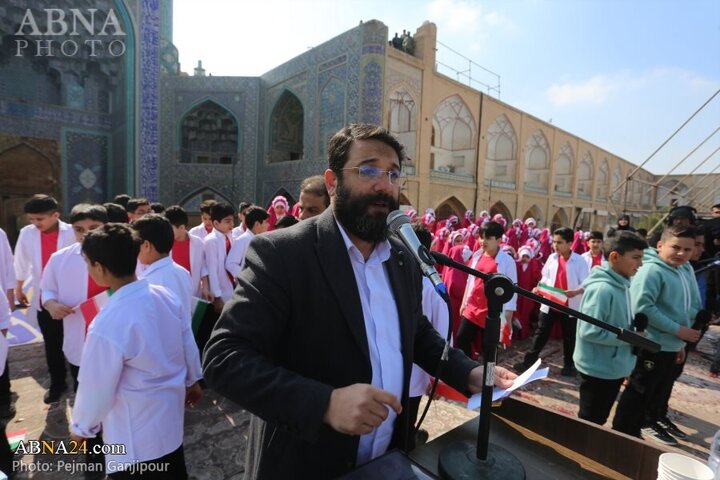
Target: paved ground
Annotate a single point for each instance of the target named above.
(215, 436)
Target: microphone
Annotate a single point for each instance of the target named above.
(399, 224)
(702, 322)
(702, 319)
(640, 322)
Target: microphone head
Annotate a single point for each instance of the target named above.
(640, 322)
(397, 219)
(702, 318)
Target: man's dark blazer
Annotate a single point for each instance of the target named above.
(294, 330)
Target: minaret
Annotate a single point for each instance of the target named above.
(199, 70)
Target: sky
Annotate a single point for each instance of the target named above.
(623, 75)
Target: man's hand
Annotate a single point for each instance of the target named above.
(359, 408)
(680, 358)
(193, 394)
(57, 310)
(503, 378)
(77, 438)
(688, 334)
(218, 304)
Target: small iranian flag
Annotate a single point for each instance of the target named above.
(14, 438)
(552, 293)
(198, 306)
(91, 307)
(505, 331)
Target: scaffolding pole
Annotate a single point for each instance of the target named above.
(686, 176)
(687, 156)
(665, 142)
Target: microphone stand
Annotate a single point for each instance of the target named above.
(492, 461)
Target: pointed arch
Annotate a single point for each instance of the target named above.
(536, 213)
(537, 163)
(404, 200)
(286, 129)
(603, 180)
(673, 191)
(585, 176)
(402, 119)
(208, 134)
(450, 206)
(282, 192)
(501, 154)
(21, 158)
(559, 219)
(455, 137)
(564, 170)
(614, 182)
(191, 202)
(502, 209)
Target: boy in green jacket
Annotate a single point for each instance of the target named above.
(602, 360)
(663, 291)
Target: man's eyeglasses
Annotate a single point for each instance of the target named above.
(368, 173)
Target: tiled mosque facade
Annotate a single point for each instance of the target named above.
(88, 126)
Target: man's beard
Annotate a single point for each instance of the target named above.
(352, 213)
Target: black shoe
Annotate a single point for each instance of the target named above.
(520, 367)
(658, 434)
(672, 429)
(568, 371)
(422, 437)
(54, 394)
(7, 411)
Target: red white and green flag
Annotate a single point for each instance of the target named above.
(505, 331)
(552, 293)
(198, 306)
(91, 307)
(14, 438)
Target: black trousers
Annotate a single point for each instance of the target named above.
(6, 455)
(597, 396)
(206, 327)
(167, 467)
(74, 372)
(663, 399)
(542, 334)
(466, 335)
(639, 403)
(52, 332)
(5, 385)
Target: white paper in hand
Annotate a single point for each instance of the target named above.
(529, 375)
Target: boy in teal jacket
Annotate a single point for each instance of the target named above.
(602, 360)
(664, 292)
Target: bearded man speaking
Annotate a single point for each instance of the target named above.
(324, 325)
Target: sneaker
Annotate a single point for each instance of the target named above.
(422, 437)
(672, 429)
(520, 367)
(658, 434)
(54, 394)
(568, 371)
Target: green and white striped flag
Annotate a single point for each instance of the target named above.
(198, 306)
(552, 293)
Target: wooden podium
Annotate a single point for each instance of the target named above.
(551, 445)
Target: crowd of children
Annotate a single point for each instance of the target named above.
(592, 274)
(136, 363)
